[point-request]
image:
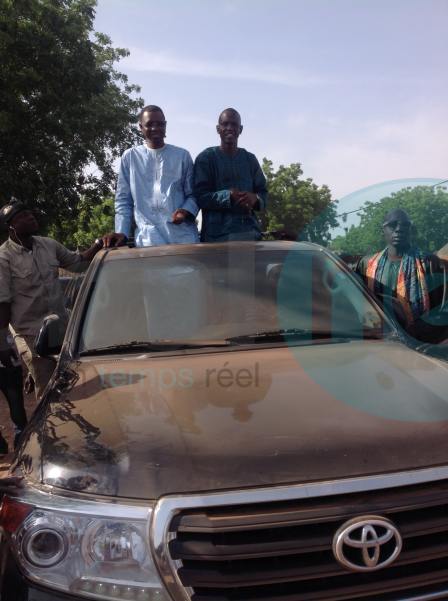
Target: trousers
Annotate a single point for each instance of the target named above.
(11, 387)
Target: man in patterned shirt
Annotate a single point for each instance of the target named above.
(408, 282)
(229, 186)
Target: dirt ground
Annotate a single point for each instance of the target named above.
(7, 427)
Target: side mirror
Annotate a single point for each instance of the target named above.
(51, 336)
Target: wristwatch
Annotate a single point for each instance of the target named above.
(99, 243)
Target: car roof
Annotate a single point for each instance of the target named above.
(125, 252)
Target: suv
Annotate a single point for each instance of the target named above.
(230, 422)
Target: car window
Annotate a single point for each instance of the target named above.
(219, 295)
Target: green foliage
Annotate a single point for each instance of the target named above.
(93, 222)
(352, 243)
(298, 205)
(65, 112)
(427, 208)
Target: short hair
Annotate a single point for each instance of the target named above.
(229, 110)
(391, 215)
(150, 108)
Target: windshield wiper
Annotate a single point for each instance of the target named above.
(154, 346)
(306, 334)
(273, 335)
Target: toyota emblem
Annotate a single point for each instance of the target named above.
(367, 543)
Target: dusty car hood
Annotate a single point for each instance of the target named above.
(142, 426)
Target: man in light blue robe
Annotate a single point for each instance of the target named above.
(155, 188)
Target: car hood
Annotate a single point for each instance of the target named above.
(145, 426)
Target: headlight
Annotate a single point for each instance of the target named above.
(44, 546)
(93, 550)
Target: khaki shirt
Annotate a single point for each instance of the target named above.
(29, 281)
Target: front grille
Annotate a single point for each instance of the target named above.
(282, 551)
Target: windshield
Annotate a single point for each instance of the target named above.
(204, 298)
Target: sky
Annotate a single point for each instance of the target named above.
(354, 90)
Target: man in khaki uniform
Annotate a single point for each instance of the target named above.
(29, 284)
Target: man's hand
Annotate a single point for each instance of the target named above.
(181, 215)
(235, 196)
(107, 241)
(6, 356)
(246, 201)
(249, 200)
(113, 239)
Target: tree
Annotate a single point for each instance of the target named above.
(427, 208)
(92, 221)
(298, 205)
(65, 112)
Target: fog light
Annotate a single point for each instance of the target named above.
(44, 547)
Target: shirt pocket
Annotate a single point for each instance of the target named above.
(21, 273)
(21, 270)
